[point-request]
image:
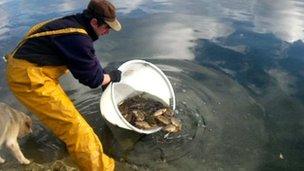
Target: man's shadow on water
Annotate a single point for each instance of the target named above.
(118, 142)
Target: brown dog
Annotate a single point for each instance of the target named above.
(13, 124)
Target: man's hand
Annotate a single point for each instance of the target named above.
(113, 76)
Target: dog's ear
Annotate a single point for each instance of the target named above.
(28, 123)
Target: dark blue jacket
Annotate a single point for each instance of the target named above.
(75, 51)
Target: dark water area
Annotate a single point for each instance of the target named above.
(237, 69)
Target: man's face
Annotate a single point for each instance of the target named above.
(100, 30)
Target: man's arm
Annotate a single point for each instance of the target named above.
(79, 55)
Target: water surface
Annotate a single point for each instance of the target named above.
(236, 68)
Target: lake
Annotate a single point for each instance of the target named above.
(236, 66)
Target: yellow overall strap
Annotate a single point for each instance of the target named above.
(30, 34)
(36, 27)
(32, 30)
(57, 32)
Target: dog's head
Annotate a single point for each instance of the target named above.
(25, 126)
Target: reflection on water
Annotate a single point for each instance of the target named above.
(236, 68)
(290, 27)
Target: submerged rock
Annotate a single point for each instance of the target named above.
(55, 166)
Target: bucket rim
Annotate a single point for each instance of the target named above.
(158, 70)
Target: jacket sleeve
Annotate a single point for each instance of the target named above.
(79, 55)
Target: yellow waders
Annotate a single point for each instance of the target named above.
(39, 90)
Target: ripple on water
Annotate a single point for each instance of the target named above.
(222, 124)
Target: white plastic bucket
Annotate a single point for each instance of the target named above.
(137, 76)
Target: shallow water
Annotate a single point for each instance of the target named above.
(236, 68)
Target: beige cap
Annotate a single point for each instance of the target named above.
(115, 25)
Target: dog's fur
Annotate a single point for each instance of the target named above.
(13, 124)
